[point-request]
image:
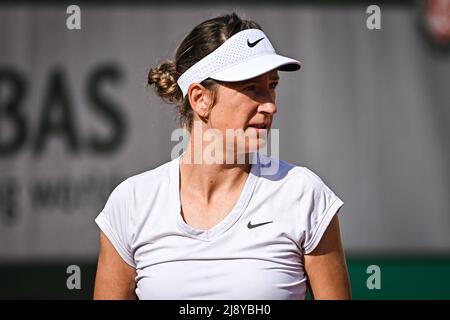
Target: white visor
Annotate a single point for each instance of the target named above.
(245, 55)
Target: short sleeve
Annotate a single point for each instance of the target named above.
(320, 204)
(114, 221)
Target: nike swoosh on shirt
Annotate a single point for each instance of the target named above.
(251, 226)
(252, 44)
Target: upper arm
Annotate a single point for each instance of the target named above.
(115, 279)
(326, 267)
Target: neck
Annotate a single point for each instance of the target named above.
(206, 179)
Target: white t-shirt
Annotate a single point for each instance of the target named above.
(254, 253)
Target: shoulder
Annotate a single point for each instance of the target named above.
(299, 178)
(143, 184)
(157, 175)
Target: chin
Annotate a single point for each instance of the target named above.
(257, 145)
(255, 139)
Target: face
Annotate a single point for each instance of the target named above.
(247, 105)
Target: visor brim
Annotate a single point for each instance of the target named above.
(257, 66)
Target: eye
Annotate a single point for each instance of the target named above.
(273, 85)
(251, 87)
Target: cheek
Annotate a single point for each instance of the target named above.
(223, 117)
(230, 115)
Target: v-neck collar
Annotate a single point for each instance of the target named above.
(231, 218)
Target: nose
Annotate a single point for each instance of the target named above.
(268, 107)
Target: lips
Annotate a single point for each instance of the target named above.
(259, 125)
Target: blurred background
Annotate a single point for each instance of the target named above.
(369, 113)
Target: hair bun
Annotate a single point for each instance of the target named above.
(162, 77)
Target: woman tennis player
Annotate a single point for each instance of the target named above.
(225, 229)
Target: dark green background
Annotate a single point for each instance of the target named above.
(401, 278)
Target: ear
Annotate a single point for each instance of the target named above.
(200, 99)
